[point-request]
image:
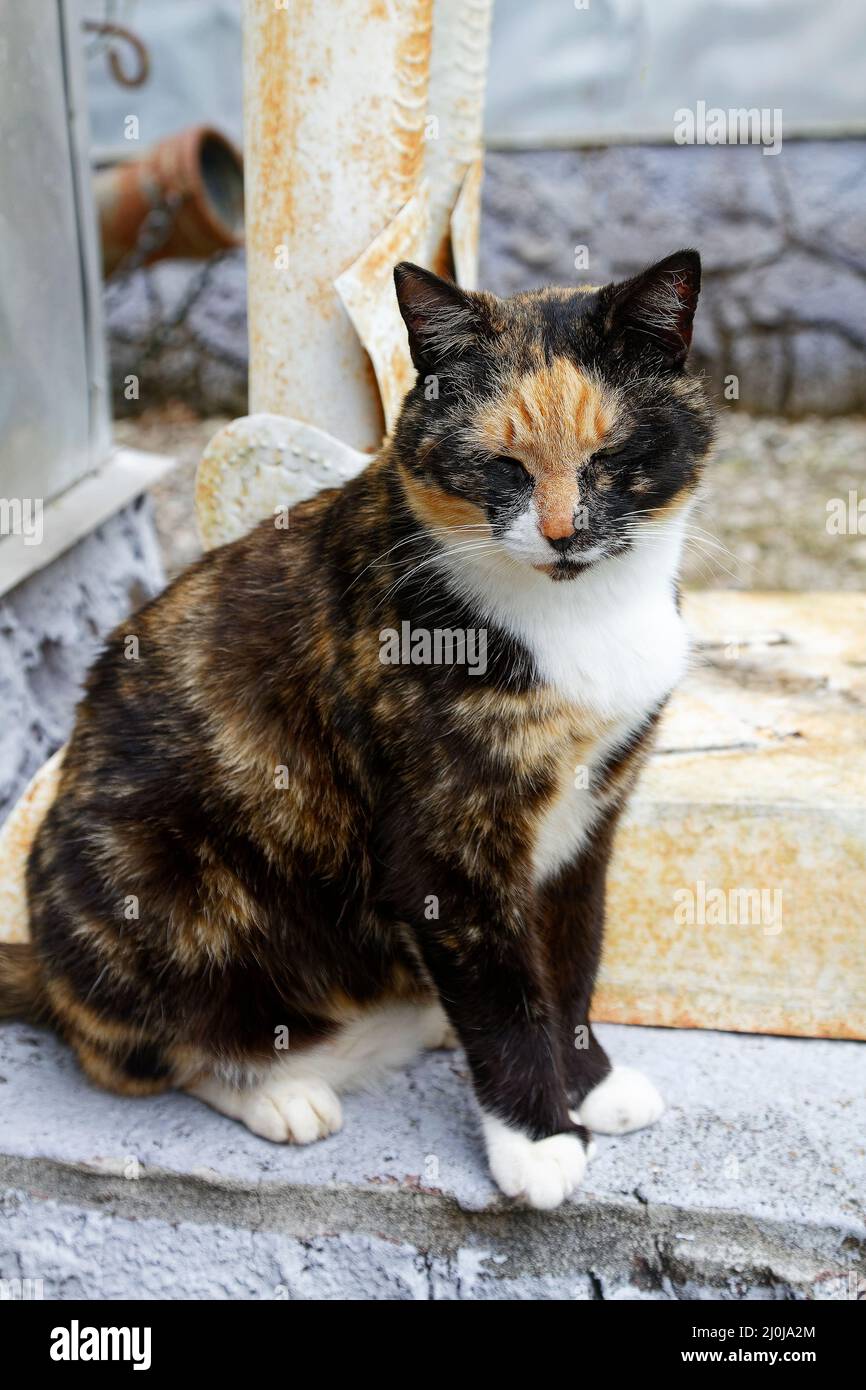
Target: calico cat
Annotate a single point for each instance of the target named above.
(280, 859)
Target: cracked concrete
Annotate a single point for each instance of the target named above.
(752, 1185)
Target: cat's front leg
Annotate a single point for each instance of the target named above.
(483, 956)
(536, 1150)
(606, 1099)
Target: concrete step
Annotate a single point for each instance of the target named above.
(739, 874)
(752, 1185)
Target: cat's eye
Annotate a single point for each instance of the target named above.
(616, 451)
(511, 471)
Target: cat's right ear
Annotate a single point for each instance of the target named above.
(443, 321)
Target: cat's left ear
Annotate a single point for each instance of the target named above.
(443, 321)
(651, 315)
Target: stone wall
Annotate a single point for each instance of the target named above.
(782, 237)
(783, 241)
(178, 331)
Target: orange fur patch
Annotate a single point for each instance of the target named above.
(73, 1014)
(552, 420)
(437, 508)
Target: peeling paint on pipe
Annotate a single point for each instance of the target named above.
(334, 104)
(362, 123)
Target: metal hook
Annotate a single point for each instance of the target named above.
(117, 31)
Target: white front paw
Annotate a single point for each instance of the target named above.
(624, 1101)
(543, 1172)
(295, 1112)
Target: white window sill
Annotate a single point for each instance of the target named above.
(79, 510)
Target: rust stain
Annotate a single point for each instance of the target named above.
(274, 116)
(409, 105)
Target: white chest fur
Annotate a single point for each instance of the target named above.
(579, 805)
(610, 642)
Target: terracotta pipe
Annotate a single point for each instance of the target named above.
(183, 198)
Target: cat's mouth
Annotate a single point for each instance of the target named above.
(565, 569)
(572, 566)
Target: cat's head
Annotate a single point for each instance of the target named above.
(559, 423)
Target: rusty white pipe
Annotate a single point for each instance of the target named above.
(453, 133)
(335, 99)
(393, 112)
(438, 226)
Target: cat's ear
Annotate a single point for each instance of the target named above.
(443, 321)
(651, 315)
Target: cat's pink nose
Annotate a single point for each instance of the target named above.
(557, 527)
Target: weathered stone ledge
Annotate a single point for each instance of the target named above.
(750, 1186)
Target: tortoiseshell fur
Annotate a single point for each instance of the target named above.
(256, 814)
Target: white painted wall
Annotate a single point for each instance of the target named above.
(558, 74)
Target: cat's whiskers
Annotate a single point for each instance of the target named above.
(457, 586)
(380, 559)
(437, 555)
(701, 546)
(417, 537)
